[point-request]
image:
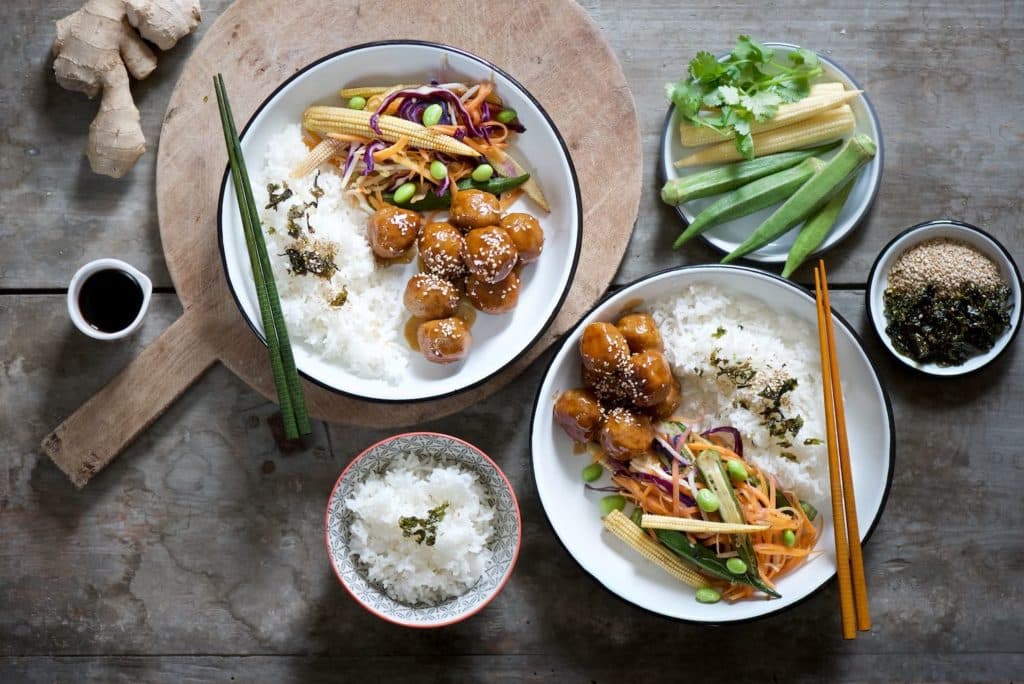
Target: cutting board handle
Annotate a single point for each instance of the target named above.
(93, 435)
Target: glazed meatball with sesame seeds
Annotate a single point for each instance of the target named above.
(579, 413)
(641, 332)
(490, 253)
(444, 341)
(442, 248)
(650, 378)
(603, 348)
(428, 296)
(670, 404)
(625, 434)
(527, 235)
(475, 209)
(493, 298)
(391, 231)
(610, 388)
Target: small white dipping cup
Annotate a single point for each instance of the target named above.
(75, 289)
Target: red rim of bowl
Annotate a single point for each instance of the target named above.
(459, 618)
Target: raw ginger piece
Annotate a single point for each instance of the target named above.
(95, 50)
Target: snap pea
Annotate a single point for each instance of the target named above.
(432, 202)
(612, 502)
(815, 229)
(813, 194)
(592, 472)
(432, 115)
(707, 560)
(755, 196)
(637, 516)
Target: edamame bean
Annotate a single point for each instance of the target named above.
(507, 116)
(736, 566)
(613, 502)
(708, 595)
(789, 538)
(404, 193)
(707, 501)
(357, 102)
(438, 170)
(637, 516)
(483, 173)
(736, 471)
(592, 472)
(432, 115)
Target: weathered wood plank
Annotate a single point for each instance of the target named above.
(206, 539)
(533, 668)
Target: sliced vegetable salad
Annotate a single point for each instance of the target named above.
(697, 498)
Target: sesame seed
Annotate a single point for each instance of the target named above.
(945, 263)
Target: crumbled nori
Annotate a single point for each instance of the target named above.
(946, 328)
(277, 197)
(423, 530)
(740, 373)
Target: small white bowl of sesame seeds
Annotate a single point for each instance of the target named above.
(945, 297)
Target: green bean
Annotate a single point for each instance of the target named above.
(707, 501)
(357, 102)
(708, 595)
(789, 538)
(736, 471)
(637, 516)
(432, 115)
(507, 116)
(438, 170)
(592, 472)
(404, 193)
(612, 502)
(736, 566)
(482, 173)
(814, 230)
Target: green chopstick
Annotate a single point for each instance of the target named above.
(294, 415)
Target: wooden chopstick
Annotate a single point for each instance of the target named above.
(860, 589)
(852, 585)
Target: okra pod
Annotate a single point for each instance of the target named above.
(745, 200)
(815, 229)
(813, 194)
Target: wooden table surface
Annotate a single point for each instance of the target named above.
(199, 556)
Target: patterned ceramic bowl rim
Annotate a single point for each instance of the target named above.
(484, 463)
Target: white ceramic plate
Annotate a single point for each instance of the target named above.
(728, 236)
(497, 340)
(504, 543)
(878, 281)
(573, 511)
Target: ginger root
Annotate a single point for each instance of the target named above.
(95, 50)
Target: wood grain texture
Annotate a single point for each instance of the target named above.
(257, 43)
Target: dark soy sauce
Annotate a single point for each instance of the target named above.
(110, 300)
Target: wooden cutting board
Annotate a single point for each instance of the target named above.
(551, 47)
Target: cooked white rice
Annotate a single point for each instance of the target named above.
(705, 323)
(418, 573)
(364, 335)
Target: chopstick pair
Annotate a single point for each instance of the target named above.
(853, 596)
(294, 416)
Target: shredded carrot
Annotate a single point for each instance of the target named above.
(675, 486)
(389, 152)
(474, 104)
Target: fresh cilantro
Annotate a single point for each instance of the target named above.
(747, 86)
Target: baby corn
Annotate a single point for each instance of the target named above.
(325, 120)
(693, 136)
(667, 522)
(324, 150)
(829, 125)
(623, 528)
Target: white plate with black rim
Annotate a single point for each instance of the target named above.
(728, 236)
(573, 511)
(497, 340)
